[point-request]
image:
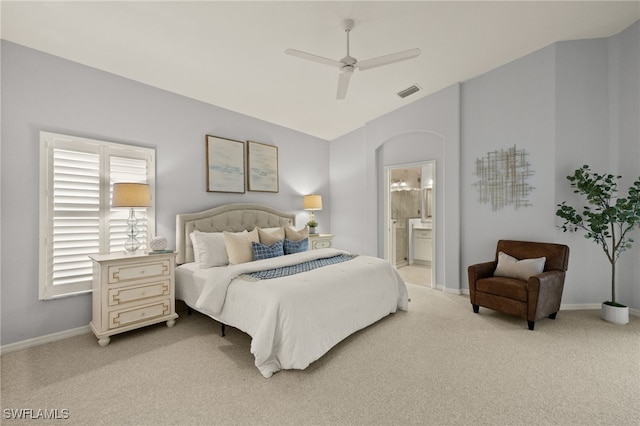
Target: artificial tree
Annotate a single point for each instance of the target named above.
(608, 219)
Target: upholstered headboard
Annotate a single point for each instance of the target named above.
(229, 217)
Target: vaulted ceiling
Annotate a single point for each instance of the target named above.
(231, 54)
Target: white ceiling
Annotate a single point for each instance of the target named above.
(231, 54)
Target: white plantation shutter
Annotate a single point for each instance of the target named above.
(76, 215)
(76, 218)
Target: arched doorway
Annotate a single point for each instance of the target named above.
(413, 149)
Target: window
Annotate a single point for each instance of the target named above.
(76, 217)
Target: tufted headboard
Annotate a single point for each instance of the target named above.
(229, 217)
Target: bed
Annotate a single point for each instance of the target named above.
(292, 319)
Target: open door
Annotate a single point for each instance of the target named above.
(409, 207)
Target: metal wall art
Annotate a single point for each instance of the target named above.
(503, 178)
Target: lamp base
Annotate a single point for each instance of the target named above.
(131, 246)
(132, 243)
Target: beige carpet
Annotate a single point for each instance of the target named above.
(438, 364)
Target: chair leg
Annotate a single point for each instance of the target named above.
(553, 315)
(531, 324)
(476, 308)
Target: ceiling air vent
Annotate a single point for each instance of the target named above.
(408, 91)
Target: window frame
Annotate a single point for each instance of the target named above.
(48, 143)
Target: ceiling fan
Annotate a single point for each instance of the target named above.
(349, 64)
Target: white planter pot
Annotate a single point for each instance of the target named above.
(615, 314)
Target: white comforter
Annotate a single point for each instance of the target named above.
(295, 320)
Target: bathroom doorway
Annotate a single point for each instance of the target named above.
(410, 218)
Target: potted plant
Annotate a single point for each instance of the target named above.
(312, 224)
(607, 220)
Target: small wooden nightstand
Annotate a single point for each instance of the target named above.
(320, 241)
(131, 291)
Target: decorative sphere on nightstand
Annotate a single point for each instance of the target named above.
(158, 243)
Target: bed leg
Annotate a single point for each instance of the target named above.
(222, 329)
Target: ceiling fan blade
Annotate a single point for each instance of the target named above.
(387, 59)
(314, 58)
(343, 83)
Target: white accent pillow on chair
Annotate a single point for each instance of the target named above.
(510, 267)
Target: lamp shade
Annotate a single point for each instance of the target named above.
(312, 202)
(131, 195)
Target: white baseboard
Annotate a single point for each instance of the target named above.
(450, 290)
(24, 344)
(572, 306)
(593, 306)
(579, 306)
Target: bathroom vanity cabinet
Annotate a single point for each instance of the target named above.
(422, 246)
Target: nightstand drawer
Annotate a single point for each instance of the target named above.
(322, 244)
(122, 273)
(140, 314)
(121, 295)
(320, 241)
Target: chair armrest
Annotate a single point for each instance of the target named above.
(479, 271)
(545, 293)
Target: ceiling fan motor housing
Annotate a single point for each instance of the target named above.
(348, 24)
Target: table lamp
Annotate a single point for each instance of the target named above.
(312, 202)
(131, 195)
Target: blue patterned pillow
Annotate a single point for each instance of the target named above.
(291, 247)
(263, 251)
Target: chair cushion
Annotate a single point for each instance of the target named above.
(502, 286)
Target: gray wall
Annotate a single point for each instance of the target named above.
(43, 92)
(624, 60)
(511, 105)
(568, 104)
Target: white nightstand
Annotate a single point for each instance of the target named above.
(320, 241)
(131, 291)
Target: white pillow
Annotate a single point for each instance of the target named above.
(239, 245)
(511, 267)
(209, 249)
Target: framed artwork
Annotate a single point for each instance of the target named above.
(225, 165)
(262, 163)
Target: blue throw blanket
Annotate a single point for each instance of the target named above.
(301, 267)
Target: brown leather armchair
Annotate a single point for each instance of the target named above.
(536, 298)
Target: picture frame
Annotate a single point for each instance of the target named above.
(225, 165)
(262, 165)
